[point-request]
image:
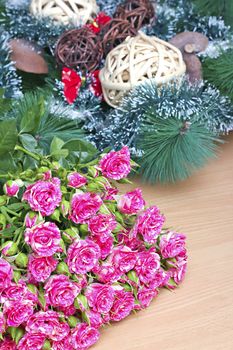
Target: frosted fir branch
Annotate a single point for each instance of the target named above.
(216, 47)
(201, 104)
(108, 6)
(9, 80)
(20, 23)
(179, 15)
(86, 105)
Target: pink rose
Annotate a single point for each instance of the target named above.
(47, 323)
(6, 274)
(68, 310)
(76, 180)
(107, 273)
(41, 267)
(172, 244)
(17, 312)
(105, 246)
(60, 291)
(123, 258)
(31, 341)
(7, 344)
(44, 196)
(44, 238)
(145, 296)
(116, 165)
(180, 266)
(84, 336)
(159, 279)
(178, 274)
(95, 319)
(122, 306)
(102, 225)
(47, 175)
(18, 292)
(84, 206)
(131, 202)
(11, 188)
(100, 297)
(111, 193)
(31, 219)
(64, 344)
(134, 243)
(149, 224)
(82, 256)
(2, 323)
(148, 263)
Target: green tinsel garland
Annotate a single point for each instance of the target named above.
(9, 80)
(173, 126)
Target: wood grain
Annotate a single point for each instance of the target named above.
(199, 314)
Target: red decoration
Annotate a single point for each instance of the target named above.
(99, 22)
(96, 86)
(72, 83)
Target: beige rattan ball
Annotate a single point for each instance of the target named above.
(137, 59)
(76, 12)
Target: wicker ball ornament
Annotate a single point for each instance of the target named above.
(136, 60)
(115, 32)
(79, 48)
(137, 12)
(76, 12)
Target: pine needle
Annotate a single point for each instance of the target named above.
(219, 72)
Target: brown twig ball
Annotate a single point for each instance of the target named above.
(79, 48)
(137, 12)
(115, 32)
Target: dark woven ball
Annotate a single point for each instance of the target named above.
(79, 48)
(137, 12)
(115, 32)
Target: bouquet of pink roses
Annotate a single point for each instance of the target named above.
(76, 254)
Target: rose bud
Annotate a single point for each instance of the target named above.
(31, 219)
(47, 345)
(11, 188)
(70, 234)
(93, 187)
(9, 248)
(92, 171)
(81, 302)
(65, 207)
(21, 260)
(16, 276)
(62, 268)
(72, 321)
(56, 215)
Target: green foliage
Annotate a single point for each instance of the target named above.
(42, 125)
(216, 8)
(219, 72)
(173, 149)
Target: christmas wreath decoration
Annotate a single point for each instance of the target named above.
(193, 27)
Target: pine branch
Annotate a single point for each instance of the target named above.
(219, 72)
(173, 149)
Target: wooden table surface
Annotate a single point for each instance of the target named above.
(199, 314)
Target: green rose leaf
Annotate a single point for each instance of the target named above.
(8, 136)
